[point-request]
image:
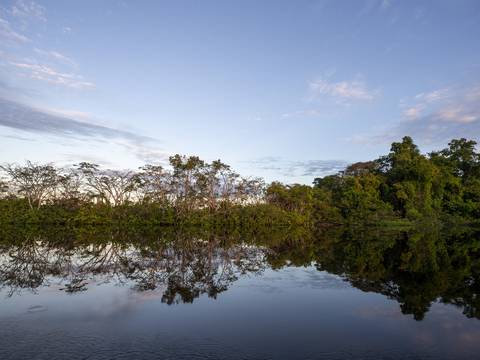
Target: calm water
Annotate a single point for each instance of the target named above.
(167, 294)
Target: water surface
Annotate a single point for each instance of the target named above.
(170, 294)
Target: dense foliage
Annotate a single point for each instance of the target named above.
(409, 185)
(403, 185)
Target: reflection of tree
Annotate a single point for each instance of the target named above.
(184, 267)
(416, 268)
(26, 266)
(187, 269)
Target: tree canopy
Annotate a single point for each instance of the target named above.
(403, 184)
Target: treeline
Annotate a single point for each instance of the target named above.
(189, 191)
(403, 184)
(191, 183)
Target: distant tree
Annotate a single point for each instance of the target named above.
(463, 158)
(153, 183)
(296, 197)
(360, 198)
(331, 183)
(37, 183)
(401, 156)
(360, 168)
(3, 189)
(110, 186)
(228, 181)
(185, 181)
(250, 190)
(214, 183)
(410, 178)
(404, 183)
(70, 187)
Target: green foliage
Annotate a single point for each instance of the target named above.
(402, 185)
(406, 184)
(360, 198)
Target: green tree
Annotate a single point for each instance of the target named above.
(410, 178)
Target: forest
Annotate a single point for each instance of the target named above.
(404, 186)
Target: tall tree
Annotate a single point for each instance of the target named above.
(410, 178)
(463, 158)
(154, 184)
(113, 187)
(36, 183)
(186, 179)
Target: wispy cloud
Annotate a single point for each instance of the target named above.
(292, 169)
(413, 112)
(30, 120)
(18, 137)
(433, 96)
(70, 114)
(56, 56)
(319, 167)
(8, 34)
(342, 91)
(449, 105)
(28, 10)
(52, 76)
(458, 114)
(420, 103)
(148, 154)
(35, 62)
(435, 117)
(302, 113)
(26, 118)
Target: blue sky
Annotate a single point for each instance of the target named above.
(287, 90)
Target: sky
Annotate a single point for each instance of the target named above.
(285, 90)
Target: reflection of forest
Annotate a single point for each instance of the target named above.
(184, 269)
(415, 268)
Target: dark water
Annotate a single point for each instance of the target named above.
(170, 294)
